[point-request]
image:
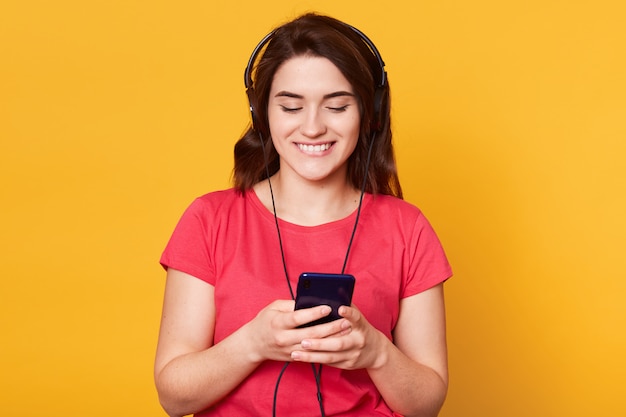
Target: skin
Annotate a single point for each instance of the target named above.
(314, 121)
(312, 104)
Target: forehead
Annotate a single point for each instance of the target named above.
(309, 73)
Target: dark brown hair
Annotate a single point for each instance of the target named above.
(323, 36)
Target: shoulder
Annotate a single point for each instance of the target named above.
(227, 206)
(217, 200)
(209, 208)
(391, 207)
(219, 197)
(394, 214)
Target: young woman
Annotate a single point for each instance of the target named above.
(315, 190)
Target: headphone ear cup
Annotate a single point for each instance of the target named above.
(252, 101)
(377, 117)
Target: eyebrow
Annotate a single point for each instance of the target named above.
(327, 96)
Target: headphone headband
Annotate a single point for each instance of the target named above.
(247, 76)
(380, 88)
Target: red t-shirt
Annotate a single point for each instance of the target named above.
(229, 240)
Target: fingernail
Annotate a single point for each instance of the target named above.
(305, 344)
(326, 309)
(295, 356)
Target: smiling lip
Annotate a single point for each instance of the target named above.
(314, 148)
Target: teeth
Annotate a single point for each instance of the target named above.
(314, 148)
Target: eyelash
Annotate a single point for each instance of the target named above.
(333, 109)
(290, 109)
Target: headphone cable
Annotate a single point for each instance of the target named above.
(317, 373)
(280, 240)
(358, 211)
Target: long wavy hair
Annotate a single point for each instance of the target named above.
(321, 36)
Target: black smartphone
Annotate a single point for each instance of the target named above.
(316, 289)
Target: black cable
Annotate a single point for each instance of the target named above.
(280, 376)
(318, 383)
(358, 212)
(318, 377)
(280, 240)
(317, 373)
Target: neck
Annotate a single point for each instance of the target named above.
(309, 203)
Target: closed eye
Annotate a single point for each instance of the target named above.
(338, 109)
(290, 109)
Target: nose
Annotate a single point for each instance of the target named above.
(313, 124)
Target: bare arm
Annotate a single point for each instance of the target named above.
(191, 373)
(187, 372)
(412, 373)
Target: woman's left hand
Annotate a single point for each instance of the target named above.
(359, 345)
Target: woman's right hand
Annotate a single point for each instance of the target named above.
(192, 373)
(274, 332)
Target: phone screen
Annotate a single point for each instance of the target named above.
(316, 289)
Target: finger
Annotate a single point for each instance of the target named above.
(326, 330)
(317, 357)
(332, 343)
(350, 313)
(293, 337)
(308, 315)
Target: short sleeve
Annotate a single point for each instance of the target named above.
(428, 265)
(188, 249)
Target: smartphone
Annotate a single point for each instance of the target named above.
(316, 289)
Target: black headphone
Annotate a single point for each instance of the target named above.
(379, 94)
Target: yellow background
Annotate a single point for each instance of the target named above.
(510, 124)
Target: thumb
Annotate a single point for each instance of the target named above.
(285, 306)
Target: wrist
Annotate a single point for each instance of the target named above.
(246, 346)
(381, 353)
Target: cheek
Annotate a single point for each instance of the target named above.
(355, 127)
(280, 125)
(275, 126)
(352, 135)
(347, 124)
